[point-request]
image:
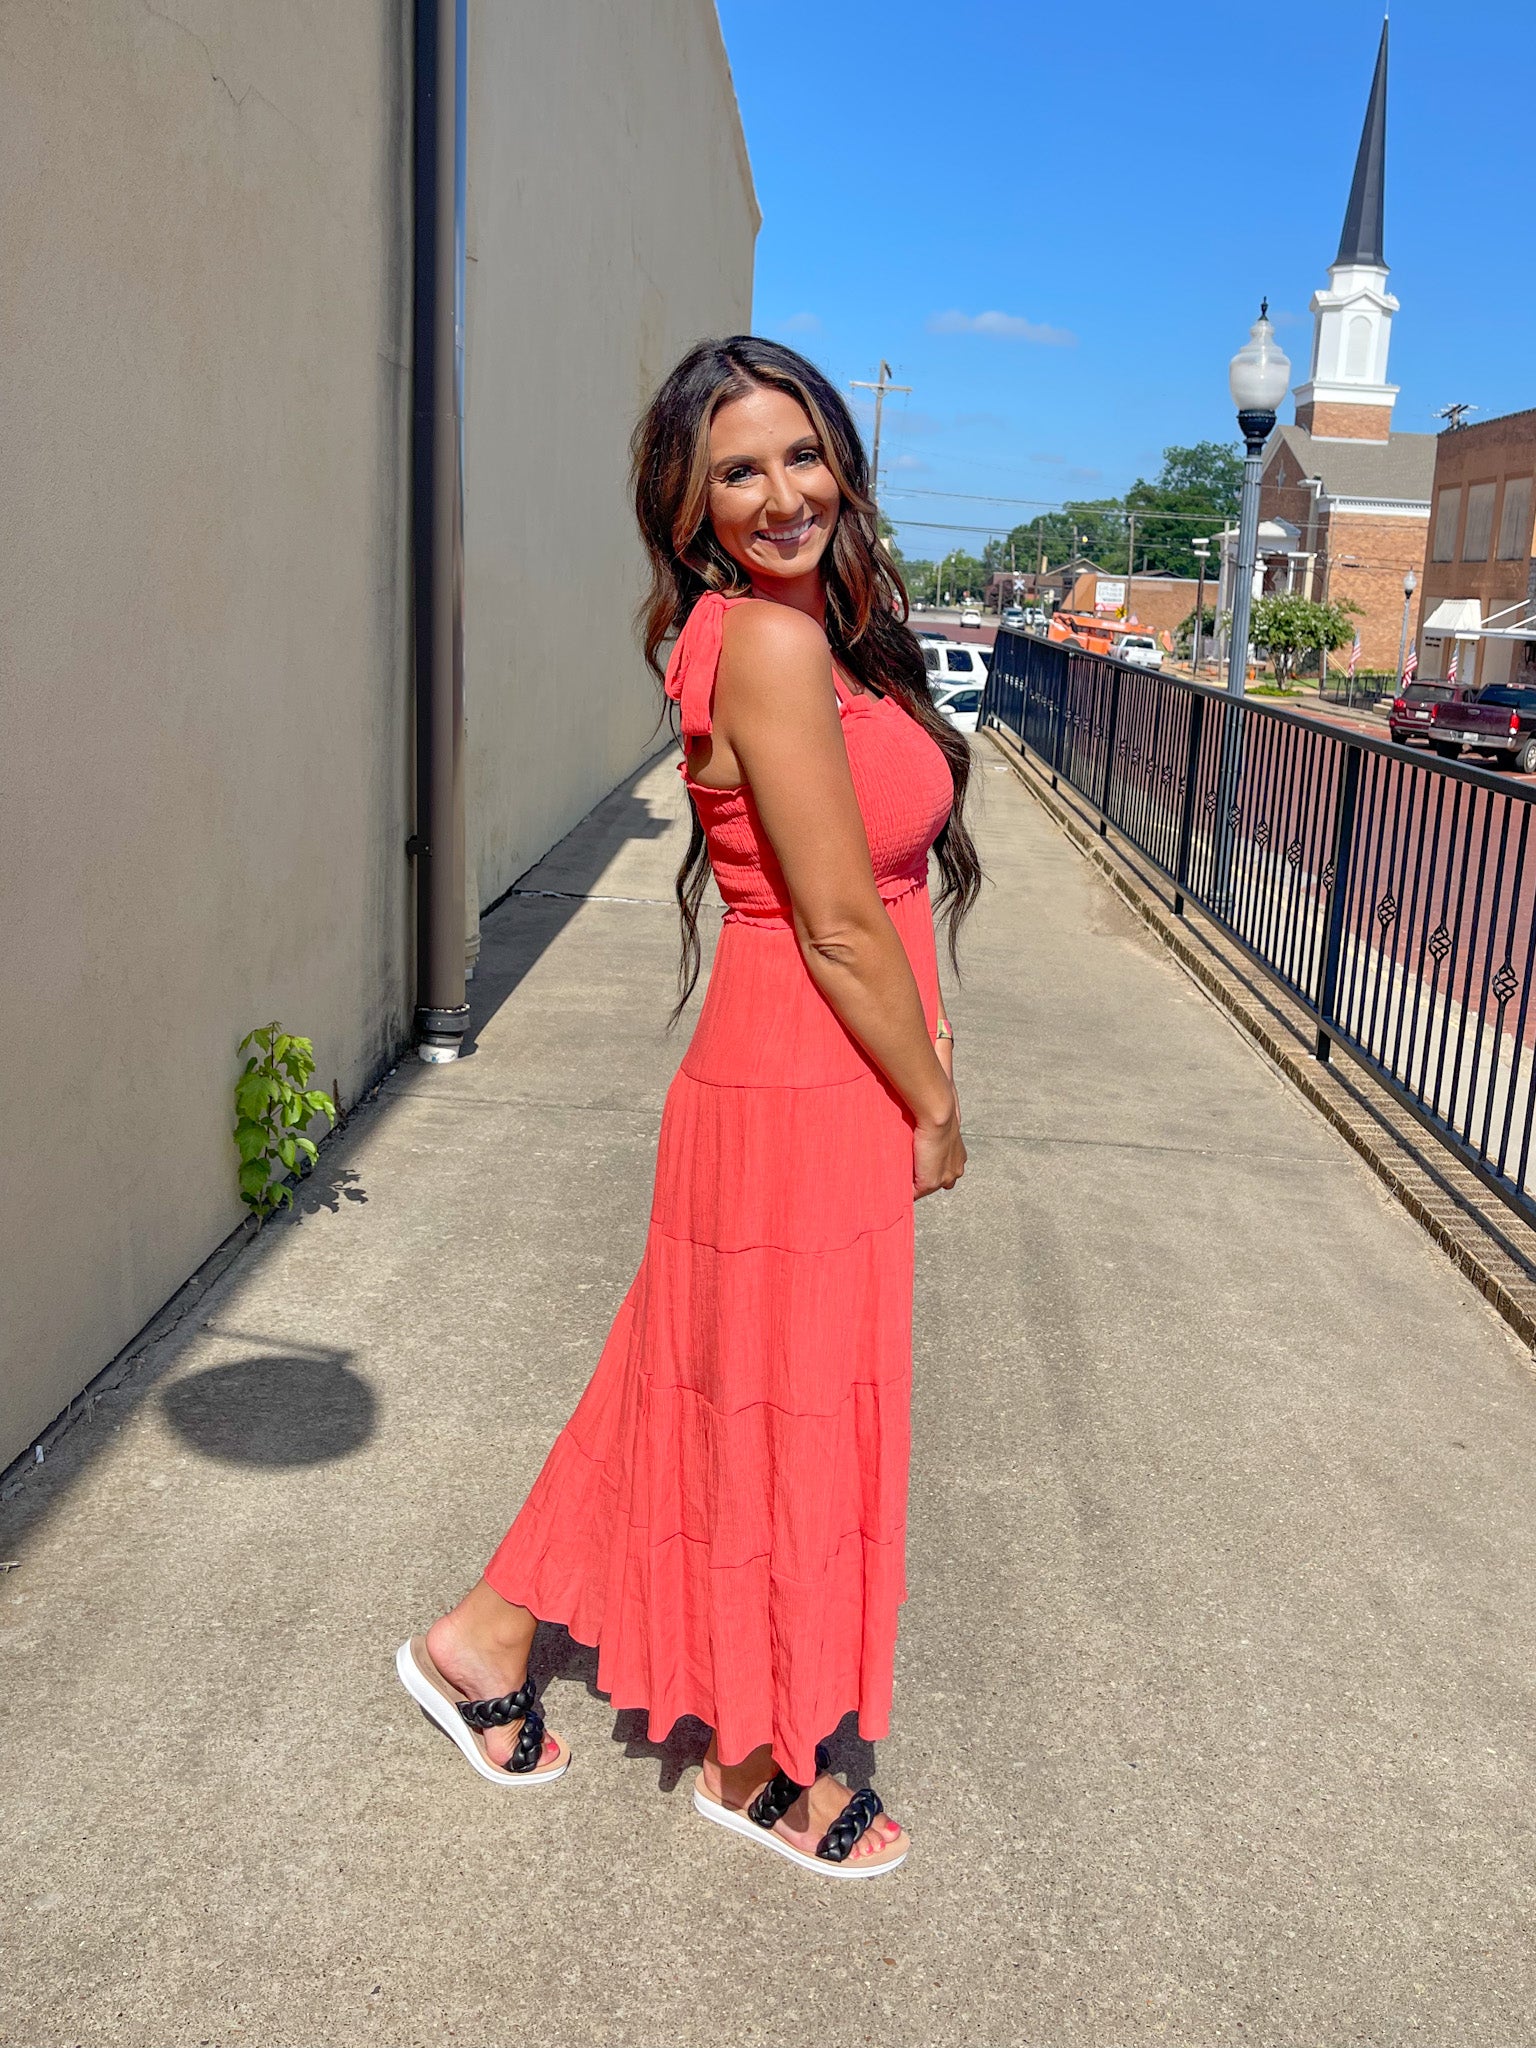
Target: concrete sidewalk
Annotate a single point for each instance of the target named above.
(1215, 1696)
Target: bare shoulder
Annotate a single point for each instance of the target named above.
(772, 650)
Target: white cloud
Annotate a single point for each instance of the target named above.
(909, 462)
(1004, 326)
(801, 323)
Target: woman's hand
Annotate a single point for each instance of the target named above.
(938, 1153)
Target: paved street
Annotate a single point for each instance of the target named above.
(1215, 1689)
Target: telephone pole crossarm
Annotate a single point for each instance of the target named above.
(879, 388)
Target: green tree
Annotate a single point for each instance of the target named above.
(963, 576)
(921, 579)
(1193, 495)
(1184, 633)
(1094, 527)
(1288, 626)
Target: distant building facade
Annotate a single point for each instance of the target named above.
(1348, 495)
(1479, 579)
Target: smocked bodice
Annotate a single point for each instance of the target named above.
(900, 778)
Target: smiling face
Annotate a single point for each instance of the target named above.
(772, 500)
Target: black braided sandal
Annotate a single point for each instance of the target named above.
(760, 1823)
(464, 1721)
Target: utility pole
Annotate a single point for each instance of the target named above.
(879, 389)
(1130, 566)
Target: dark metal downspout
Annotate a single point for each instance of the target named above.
(437, 530)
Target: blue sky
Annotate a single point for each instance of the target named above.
(922, 165)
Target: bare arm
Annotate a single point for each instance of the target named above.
(776, 711)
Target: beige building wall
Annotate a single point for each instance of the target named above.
(611, 221)
(205, 773)
(204, 322)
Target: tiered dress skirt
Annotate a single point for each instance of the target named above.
(724, 1516)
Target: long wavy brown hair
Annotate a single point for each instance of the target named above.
(867, 607)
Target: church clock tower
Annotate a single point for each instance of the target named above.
(1347, 396)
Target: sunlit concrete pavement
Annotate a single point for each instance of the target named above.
(1215, 1698)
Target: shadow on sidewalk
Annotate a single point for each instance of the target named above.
(558, 1656)
(295, 1407)
(520, 926)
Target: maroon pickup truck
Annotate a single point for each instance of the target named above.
(1500, 720)
(1413, 711)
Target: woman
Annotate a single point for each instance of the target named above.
(724, 1516)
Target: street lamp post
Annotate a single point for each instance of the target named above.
(1202, 552)
(1259, 375)
(1402, 642)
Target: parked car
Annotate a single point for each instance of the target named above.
(1412, 714)
(947, 662)
(1033, 616)
(960, 704)
(1500, 720)
(1014, 615)
(970, 616)
(1140, 648)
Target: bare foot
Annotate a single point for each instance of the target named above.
(737, 1785)
(482, 1647)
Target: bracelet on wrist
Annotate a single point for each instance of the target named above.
(944, 1031)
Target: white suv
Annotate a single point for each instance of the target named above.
(949, 662)
(960, 703)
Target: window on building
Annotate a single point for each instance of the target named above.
(1447, 515)
(1515, 520)
(1478, 537)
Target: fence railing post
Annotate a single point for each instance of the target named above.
(1345, 801)
(1109, 751)
(1187, 814)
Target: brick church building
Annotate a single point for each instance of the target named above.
(1349, 495)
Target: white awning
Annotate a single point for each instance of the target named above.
(1455, 618)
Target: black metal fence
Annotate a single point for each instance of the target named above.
(1393, 894)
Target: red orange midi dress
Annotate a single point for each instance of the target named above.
(724, 1515)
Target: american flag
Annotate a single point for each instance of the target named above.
(1411, 665)
(1450, 674)
(1354, 655)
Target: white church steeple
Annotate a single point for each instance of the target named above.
(1347, 396)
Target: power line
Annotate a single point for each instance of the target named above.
(939, 526)
(975, 497)
(1106, 507)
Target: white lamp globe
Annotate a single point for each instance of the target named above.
(1261, 370)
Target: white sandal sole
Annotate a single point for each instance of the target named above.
(440, 1702)
(770, 1838)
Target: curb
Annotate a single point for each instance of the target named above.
(1486, 1242)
